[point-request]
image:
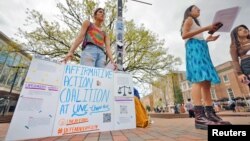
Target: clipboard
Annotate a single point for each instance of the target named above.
(227, 18)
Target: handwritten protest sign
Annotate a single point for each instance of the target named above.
(86, 92)
(59, 99)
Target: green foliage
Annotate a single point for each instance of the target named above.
(148, 108)
(178, 98)
(145, 55)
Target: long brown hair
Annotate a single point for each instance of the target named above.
(187, 14)
(234, 35)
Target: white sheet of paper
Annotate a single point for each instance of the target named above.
(227, 17)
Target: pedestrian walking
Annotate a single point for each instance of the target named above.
(190, 108)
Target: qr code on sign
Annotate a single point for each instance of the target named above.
(107, 117)
(123, 109)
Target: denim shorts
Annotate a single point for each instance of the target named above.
(93, 56)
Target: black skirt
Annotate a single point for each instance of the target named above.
(245, 67)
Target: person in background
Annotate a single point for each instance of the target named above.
(176, 111)
(248, 101)
(232, 105)
(216, 106)
(190, 108)
(160, 105)
(182, 108)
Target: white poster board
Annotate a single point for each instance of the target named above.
(59, 99)
(124, 102)
(36, 107)
(227, 18)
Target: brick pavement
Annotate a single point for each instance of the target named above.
(178, 129)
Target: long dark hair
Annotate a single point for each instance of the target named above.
(187, 14)
(234, 35)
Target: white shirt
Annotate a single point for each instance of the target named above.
(195, 27)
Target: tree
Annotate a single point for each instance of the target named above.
(148, 108)
(145, 55)
(161, 85)
(178, 98)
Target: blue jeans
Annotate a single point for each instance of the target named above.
(93, 56)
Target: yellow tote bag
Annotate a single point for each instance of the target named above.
(141, 114)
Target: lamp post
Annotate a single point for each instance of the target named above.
(7, 104)
(120, 34)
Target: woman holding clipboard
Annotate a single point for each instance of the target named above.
(199, 67)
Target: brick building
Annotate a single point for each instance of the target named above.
(164, 89)
(230, 87)
(14, 64)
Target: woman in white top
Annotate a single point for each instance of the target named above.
(199, 67)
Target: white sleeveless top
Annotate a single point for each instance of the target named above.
(193, 28)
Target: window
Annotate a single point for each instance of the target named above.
(11, 75)
(10, 59)
(17, 60)
(230, 93)
(3, 58)
(1, 45)
(5, 74)
(225, 78)
(11, 78)
(213, 93)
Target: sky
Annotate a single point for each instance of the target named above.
(163, 17)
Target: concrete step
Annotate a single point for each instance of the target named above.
(168, 115)
(185, 115)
